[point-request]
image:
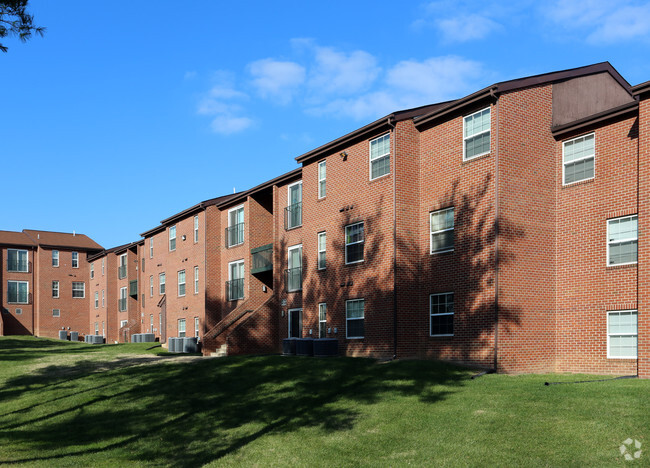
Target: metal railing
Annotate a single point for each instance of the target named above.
(235, 289)
(293, 279)
(234, 235)
(262, 259)
(122, 304)
(121, 272)
(293, 216)
(19, 266)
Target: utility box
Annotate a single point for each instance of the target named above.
(63, 335)
(305, 347)
(289, 346)
(326, 347)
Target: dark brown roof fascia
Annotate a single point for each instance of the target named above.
(642, 88)
(68, 247)
(125, 247)
(239, 197)
(592, 120)
(455, 106)
(153, 231)
(106, 252)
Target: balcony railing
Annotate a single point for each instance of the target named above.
(19, 266)
(19, 298)
(262, 259)
(121, 272)
(122, 304)
(133, 288)
(293, 216)
(234, 235)
(293, 279)
(235, 289)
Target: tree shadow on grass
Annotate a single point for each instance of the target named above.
(188, 414)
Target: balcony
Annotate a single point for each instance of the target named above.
(121, 272)
(133, 288)
(235, 289)
(234, 235)
(262, 259)
(122, 304)
(293, 279)
(293, 216)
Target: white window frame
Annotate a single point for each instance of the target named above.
(609, 312)
(290, 312)
(103, 329)
(376, 158)
(57, 289)
(82, 290)
(184, 283)
(352, 243)
(356, 318)
(92, 270)
(623, 240)
(196, 280)
(151, 286)
(26, 270)
(431, 314)
(56, 312)
(17, 292)
(184, 332)
(151, 247)
(230, 225)
(465, 136)
(55, 259)
(584, 158)
(124, 262)
(75, 259)
(196, 327)
(322, 180)
(172, 238)
(230, 278)
(103, 266)
(123, 295)
(103, 299)
(297, 247)
(123, 323)
(162, 287)
(150, 323)
(322, 324)
(196, 229)
(96, 299)
(321, 251)
(302, 197)
(432, 232)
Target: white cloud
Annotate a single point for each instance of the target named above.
(228, 124)
(340, 73)
(190, 75)
(222, 103)
(466, 28)
(277, 80)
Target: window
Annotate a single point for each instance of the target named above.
(322, 179)
(181, 283)
(322, 247)
(380, 156)
(622, 334)
(103, 266)
(55, 289)
(172, 238)
(151, 247)
(293, 211)
(92, 270)
(75, 259)
(151, 286)
(161, 283)
(196, 229)
(78, 289)
(151, 323)
(578, 157)
(442, 230)
(441, 310)
(322, 320)
(354, 318)
(123, 323)
(294, 272)
(55, 258)
(17, 292)
(104, 329)
(622, 240)
(96, 299)
(143, 264)
(196, 327)
(17, 260)
(196, 280)
(103, 299)
(476, 134)
(354, 240)
(19, 311)
(235, 285)
(181, 328)
(56, 312)
(121, 270)
(122, 304)
(96, 328)
(235, 229)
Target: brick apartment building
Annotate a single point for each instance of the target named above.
(503, 229)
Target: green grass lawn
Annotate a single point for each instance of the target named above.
(69, 404)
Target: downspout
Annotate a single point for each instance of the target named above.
(638, 193)
(496, 237)
(394, 140)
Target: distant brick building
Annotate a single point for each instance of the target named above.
(504, 229)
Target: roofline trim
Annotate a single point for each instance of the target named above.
(562, 130)
(258, 188)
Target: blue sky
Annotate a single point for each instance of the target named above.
(120, 117)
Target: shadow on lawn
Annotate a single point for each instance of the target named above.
(188, 414)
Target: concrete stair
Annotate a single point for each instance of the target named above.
(221, 352)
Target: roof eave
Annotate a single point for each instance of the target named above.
(577, 125)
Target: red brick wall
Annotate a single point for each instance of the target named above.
(22, 323)
(106, 283)
(643, 124)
